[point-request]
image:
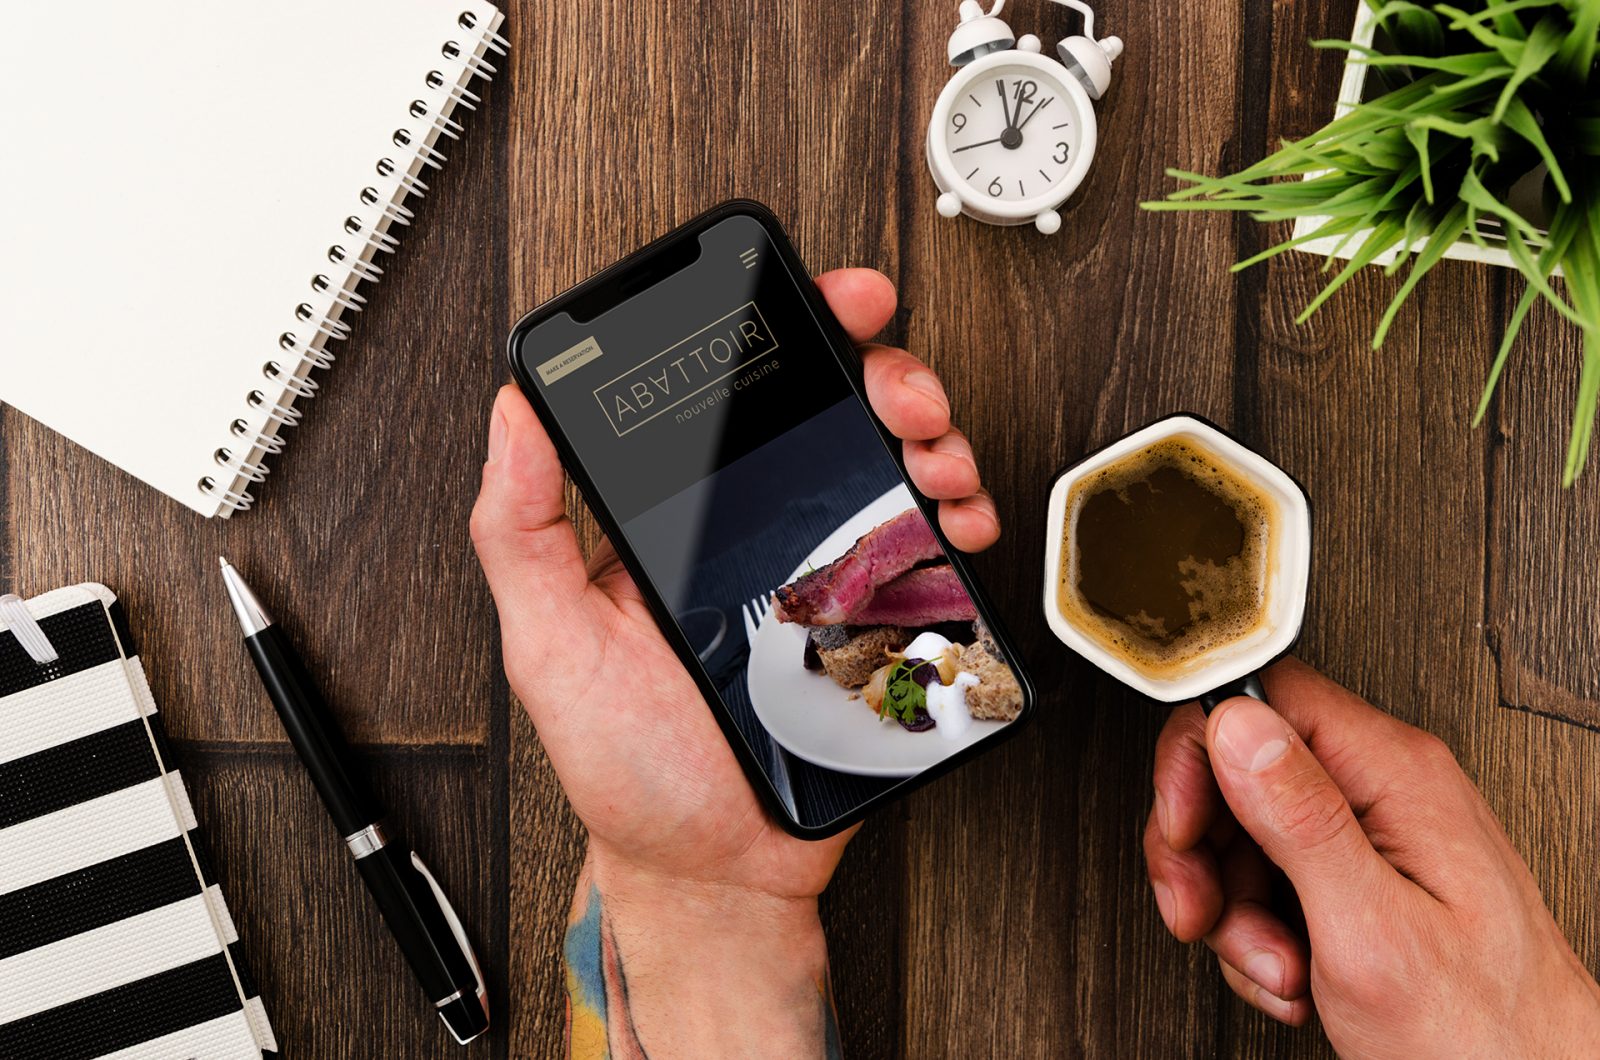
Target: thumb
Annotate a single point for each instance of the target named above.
(1283, 797)
(520, 528)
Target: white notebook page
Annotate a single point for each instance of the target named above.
(169, 188)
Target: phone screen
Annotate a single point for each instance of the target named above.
(717, 427)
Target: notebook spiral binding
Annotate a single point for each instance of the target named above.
(242, 463)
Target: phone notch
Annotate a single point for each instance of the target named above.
(634, 277)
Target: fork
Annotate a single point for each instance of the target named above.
(755, 613)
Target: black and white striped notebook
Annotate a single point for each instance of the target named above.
(114, 938)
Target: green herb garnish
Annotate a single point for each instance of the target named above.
(1477, 99)
(902, 696)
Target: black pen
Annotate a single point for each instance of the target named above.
(415, 908)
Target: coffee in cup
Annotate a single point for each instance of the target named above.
(1179, 559)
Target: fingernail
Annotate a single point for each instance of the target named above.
(1265, 969)
(1275, 1006)
(976, 503)
(1251, 736)
(927, 383)
(1164, 902)
(1161, 818)
(497, 435)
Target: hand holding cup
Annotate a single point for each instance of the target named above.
(1423, 932)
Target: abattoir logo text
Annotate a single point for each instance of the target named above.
(685, 368)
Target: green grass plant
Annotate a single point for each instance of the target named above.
(1463, 102)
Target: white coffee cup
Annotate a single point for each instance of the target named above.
(1229, 667)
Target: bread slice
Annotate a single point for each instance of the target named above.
(850, 654)
(996, 696)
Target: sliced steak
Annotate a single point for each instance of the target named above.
(827, 596)
(921, 597)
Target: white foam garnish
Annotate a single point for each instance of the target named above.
(947, 704)
(928, 646)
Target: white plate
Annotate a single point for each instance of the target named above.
(813, 718)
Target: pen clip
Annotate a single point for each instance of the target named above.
(456, 929)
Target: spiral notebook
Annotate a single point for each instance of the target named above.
(191, 196)
(114, 939)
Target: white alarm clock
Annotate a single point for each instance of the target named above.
(1013, 133)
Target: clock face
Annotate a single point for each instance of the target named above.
(1012, 132)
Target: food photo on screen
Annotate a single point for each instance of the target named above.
(890, 620)
(863, 661)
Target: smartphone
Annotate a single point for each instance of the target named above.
(712, 412)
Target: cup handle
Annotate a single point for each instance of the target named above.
(1248, 685)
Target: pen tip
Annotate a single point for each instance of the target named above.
(222, 561)
(252, 616)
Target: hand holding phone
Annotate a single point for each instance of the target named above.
(566, 624)
(646, 767)
(713, 412)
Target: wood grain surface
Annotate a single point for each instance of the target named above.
(1003, 911)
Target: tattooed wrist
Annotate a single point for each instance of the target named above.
(599, 1022)
(663, 967)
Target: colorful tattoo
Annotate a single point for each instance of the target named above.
(599, 1023)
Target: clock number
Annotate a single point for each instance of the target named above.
(1062, 149)
(1025, 93)
(959, 120)
(994, 187)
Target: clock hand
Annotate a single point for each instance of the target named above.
(980, 143)
(1005, 108)
(1034, 111)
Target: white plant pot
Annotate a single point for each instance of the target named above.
(1525, 195)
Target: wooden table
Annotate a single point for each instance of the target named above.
(1004, 911)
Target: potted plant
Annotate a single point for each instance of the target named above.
(1465, 131)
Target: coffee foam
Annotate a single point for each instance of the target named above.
(1243, 576)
